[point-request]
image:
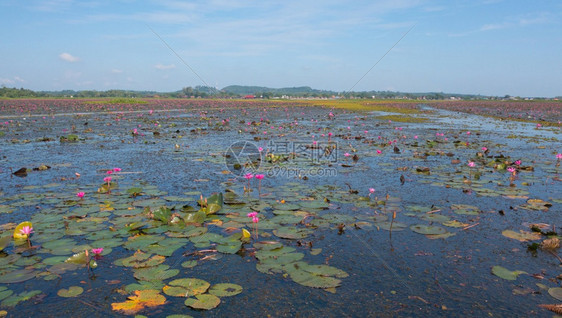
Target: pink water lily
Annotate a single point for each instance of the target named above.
(471, 164)
(252, 214)
(109, 172)
(26, 230)
(116, 169)
(107, 179)
(517, 162)
(97, 251)
(80, 194)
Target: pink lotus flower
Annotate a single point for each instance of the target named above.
(255, 219)
(511, 169)
(26, 230)
(116, 169)
(80, 194)
(259, 176)
(371, 190)
(107, 179)
(468, 132)
(97, 251)
(415, 137)
(517, 162)
(252, 214)
(260, 149)
(109, 171)
(559, 156)
(379, 151)
(471, 164)
(248, 176)
(346, 154)
(484, 149)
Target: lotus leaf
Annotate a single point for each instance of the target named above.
(16, 299)
(140, 259)
(555, 292)
(186, 287)
(522, 236)
(5, 241)
(428, 229)
(142, 241)
(292, 233)
(72, 291)
(156, 273)
(17, 276)
(205, 302)
(140, 300)
(225, 290)
(17, 230)
(504, 273)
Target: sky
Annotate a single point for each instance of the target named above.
(488, 47)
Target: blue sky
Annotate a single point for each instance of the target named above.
(489, 47)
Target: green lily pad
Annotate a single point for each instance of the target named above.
(555, 292)
(5, 241)
(292, 233)
(5, 293)
(504, 273)
(225, 290)
(140, 259)
(142, 241)
(204, 301)
(16, 299)
(156, 273)
(186, 287)
(428, 229)
(72, 291)
(17, 276)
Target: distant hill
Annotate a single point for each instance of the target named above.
(250, 90)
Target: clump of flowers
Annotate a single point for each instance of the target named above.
(255, 220)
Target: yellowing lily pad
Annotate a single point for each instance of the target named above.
(72, 291)
(522, 236)
(140, 300)
(205, 302)
(18, 234)
(225, 290)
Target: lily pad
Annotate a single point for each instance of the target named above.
(140, 300)
(292, 233)
(156, 273)
(505, 273)
(555, 292)
(205, 302)
(428, 229)
(225, 290)
(522, 236)
(72, 291)
(16, 299)
(186, 287)
(17, 276)
(17, 230)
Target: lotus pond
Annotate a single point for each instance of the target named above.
(178, 208)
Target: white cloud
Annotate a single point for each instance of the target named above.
(6, 81)
(164, 67)
(116, 71)
(15, 79)
(69, 58)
